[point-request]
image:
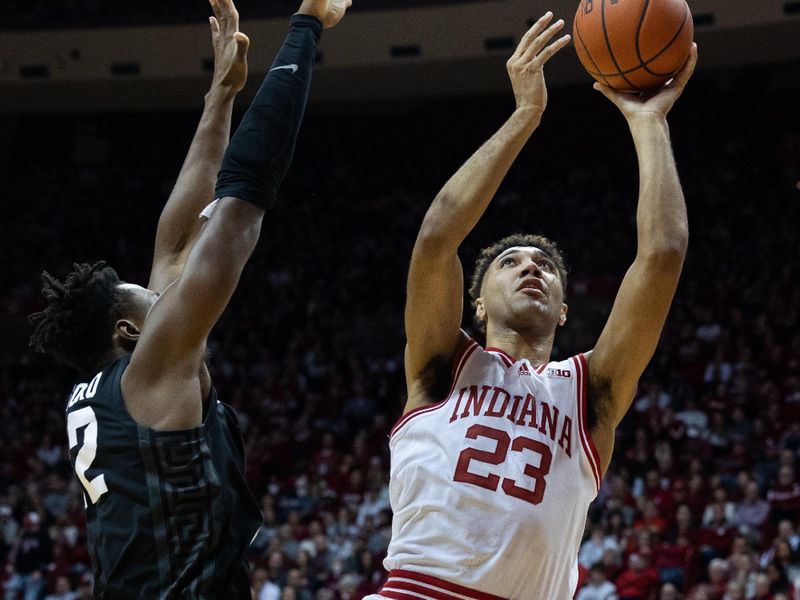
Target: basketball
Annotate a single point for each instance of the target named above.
(633, 45)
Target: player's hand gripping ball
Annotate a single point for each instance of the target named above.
(633, 45)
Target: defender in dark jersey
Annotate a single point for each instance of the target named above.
(160, 458)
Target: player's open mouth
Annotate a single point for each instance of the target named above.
(532, 288)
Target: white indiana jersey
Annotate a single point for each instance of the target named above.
(490, 488)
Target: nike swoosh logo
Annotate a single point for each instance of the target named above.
(291, 67)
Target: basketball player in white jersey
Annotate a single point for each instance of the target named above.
(495, 463)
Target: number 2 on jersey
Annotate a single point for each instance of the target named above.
(85, 417)
(491, 481)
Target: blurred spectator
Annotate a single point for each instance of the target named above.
(639, 581)
(673, 559)
(592, 549)
(761, 587)
(751, 512)
(8, 531)
(735, 590)
(48, 452)
(598, 587)
(63, 590)
(669, 591)
(30, 557)
(716, 538)
(695, 420)
(718, 576)
(779, 582)
(784, 496)
(650, 518)
(720, 499)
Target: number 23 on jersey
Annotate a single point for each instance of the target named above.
(497, 457)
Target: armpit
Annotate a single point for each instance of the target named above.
(599, 400)
(435, 378)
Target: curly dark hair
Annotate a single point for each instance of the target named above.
(488, 254)
(76, 325)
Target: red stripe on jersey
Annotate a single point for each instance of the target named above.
(466, 345)
(397, 595)
(441, 583)
(395, 584)
(507, 358)
(413, 413)
(586, 438)
(540, 368)
(595, 454)
(458, 365)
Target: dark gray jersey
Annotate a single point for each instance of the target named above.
(169, 514)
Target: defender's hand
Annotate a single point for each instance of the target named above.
(230, 48)
(525, 67)
(329, 12)
(652, 104)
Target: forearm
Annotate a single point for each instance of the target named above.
(216, 262)
(464, 198)
(261, 150)
(661, 215)
(194, 187)
(178, 224)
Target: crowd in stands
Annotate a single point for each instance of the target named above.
(702, 498)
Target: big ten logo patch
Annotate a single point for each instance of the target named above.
(564, 373)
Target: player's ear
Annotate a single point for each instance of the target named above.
(126, 330)
(480, 310)
(562, 318)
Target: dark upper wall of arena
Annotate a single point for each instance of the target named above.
(46, 14)
(439, 49)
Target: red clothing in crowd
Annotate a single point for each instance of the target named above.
(785, 498)
(720, 538)
(637, 585)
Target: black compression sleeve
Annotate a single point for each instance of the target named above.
(260, 152)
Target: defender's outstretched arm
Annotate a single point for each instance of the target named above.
(162, 386)
(634, 326)
(179, 225)
(434, 301)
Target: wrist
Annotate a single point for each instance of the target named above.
(643, 121)
(649, 130)
(219, 96)
(307, 16)
(528, 115)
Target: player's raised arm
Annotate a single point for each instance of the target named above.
(634, 326)
(179, 224)
(435, 280)
(162, 387)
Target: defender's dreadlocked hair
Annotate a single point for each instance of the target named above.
(488, 254)
(77, 324)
